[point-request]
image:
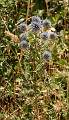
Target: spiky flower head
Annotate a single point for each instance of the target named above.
(47, 55)
(52, 35)
(46, 24)
(23, 37)
(22, 27)
(35, 26)
(36, 19)
(44, 35)
(24, 44)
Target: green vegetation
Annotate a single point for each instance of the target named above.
(34, 60)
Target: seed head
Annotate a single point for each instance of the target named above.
(23, 44)
(47, 55)
(46, 24)
(36, 19)
(35, 26)
(31, 92)
(22, 28)
(23, 37)
(52, 35)
(44, 35)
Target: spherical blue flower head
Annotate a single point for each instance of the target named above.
(46, 24)
(47, 55)
(44, 35)
(23, 37)
(23, 44)
(22, 27)
(35, 26)
(52, 35)
(36, 19)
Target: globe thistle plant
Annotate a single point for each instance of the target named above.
(35, 26)
(52, 35)
(36, 19)
(47, 55)
(44, 36)
(46, 24)
(24, 44)
(22, 27)
(23, 37)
